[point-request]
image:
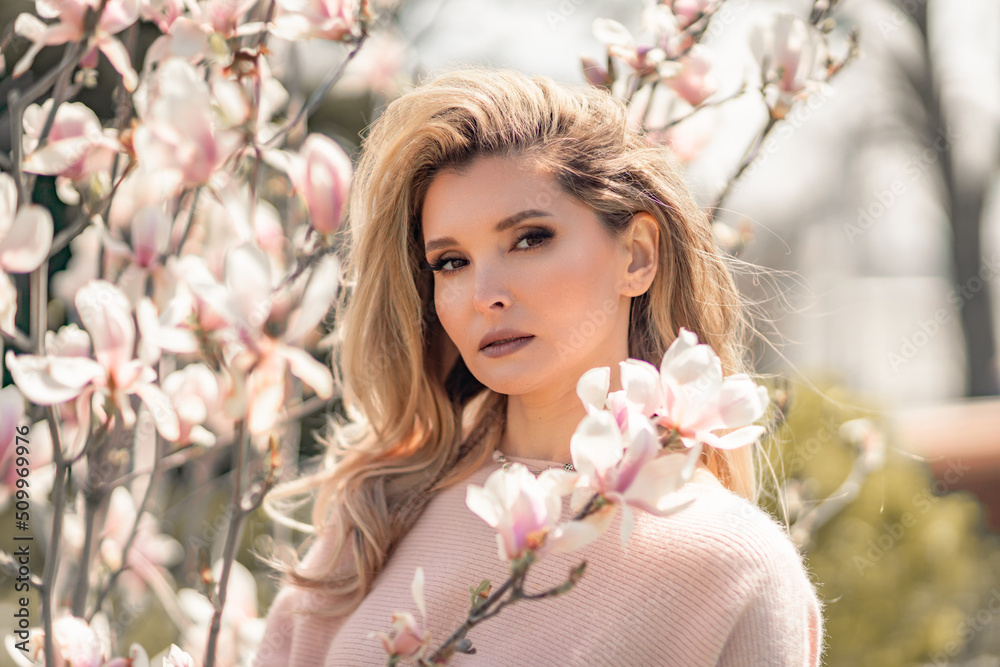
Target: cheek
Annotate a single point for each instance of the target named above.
(448, 305)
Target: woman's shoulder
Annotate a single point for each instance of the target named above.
(718, 524)
(722, 535)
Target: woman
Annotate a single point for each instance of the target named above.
(508, 234)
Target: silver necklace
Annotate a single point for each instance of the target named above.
(502, 460)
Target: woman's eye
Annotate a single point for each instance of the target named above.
(447, 264)
(533, 238)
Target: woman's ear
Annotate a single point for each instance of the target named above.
(642, 243)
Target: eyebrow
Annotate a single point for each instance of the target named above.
(502, 226)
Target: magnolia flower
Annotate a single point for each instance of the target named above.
(178, 140)
(71, 26)
(322, 174)
(620, 44)
(307, 19)
(688, 395)
(151, 552)
(792, 56)
(25, 239)
(25, 232)
(243, 306)
(407, 639)
(695, 82)
(519, 506)
(76, 644)
(77, 148)
(624, 467)
(595, 73)
(194, 393)
(177, 658)
(114, 375)
(688, 11)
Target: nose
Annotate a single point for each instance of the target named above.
(491, 290)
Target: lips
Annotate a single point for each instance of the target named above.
(501, 336)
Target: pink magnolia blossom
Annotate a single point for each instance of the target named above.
(25, 240)
(695, 82)
(690, 396)
(407, 639)
(307, 19)
(688, 138)
(792, 56)
(688, 11)
(71, 27)
(194, 393)
(323, 176)
(76, 645)
(242, 307)
(179, 139)
(177, 658)
(25, 231)
(618, 41)
(151, 552)
(77, 148)
(114, 375)
(519, 506)
(625, 467)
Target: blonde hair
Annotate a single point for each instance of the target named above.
(419, 420)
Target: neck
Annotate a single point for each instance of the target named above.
(540, 426)
(540, 430)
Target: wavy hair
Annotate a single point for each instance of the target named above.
(419, 421)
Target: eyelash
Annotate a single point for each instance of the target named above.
(542, 234)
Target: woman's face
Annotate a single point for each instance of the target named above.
(528, 283)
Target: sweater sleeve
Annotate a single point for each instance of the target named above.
(780, 623)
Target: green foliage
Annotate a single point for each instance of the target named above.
(901, 569)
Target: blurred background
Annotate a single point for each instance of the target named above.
(869, 223)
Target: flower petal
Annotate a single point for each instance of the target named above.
(306, 368)
(482, 504)
(28, 240)
(593, 386)
(51, 380)
(161, 409)
(107, 315)
(641, 383)
(740, 438)
(596, 445)
(417, 590)
(316, 299)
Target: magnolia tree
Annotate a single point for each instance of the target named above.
(202, 222)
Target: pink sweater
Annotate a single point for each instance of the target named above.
(718, 583)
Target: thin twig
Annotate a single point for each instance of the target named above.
(18, 104)
(232, 535)
(748, 159)
(16, 339)
(317, 95)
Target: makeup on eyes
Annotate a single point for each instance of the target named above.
(541, 234)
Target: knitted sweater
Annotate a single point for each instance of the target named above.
(718, 583)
